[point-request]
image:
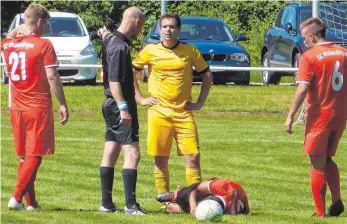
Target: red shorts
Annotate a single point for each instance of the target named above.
(33, 132)
(322, 142)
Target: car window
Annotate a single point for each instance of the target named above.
(291, 17)
(278, 18)
(64, 27)
(203, 31)
(285, 15)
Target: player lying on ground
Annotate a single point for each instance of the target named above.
(229, 194)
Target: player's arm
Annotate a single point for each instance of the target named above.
(139, 62)
(192, 202)
(114, 55)
(304, 77)
(200, 65)
(57, 88)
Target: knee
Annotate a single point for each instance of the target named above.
(193, 160)
(161, 162)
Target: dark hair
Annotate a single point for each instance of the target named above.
(171, 16)
(319, 22)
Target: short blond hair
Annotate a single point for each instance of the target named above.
(320, 26)
(34, 12)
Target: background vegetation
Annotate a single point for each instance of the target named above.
(251, 18)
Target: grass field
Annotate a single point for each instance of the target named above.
(241, 137)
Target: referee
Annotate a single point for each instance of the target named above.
(120, 112)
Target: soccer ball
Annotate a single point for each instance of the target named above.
(209, 210)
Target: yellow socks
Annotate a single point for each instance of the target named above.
(161, 178)
(193, 175)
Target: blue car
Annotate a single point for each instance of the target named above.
(283, 43)
(217, 44)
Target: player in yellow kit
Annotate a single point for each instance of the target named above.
(170, 115)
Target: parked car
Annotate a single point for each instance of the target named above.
(283, 43)
(217, 44)
(72, 44)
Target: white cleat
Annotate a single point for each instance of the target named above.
(31, 208)
(14, 205)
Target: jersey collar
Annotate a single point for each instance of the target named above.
(324, 43)
(176, 45)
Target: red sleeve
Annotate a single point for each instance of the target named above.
(305, 73)
(49, 56)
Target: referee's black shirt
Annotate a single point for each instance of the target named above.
(117, 65)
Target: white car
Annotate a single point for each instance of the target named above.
(72, 45)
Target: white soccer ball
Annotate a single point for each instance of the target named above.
(209, 210)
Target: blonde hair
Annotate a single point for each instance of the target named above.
(35, 12)
(320, 26)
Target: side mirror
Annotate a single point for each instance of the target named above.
(288, 27)
(241, 37)
(155, 36)
(4, 35)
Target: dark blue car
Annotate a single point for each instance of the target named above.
(283, 43)
(217, 44)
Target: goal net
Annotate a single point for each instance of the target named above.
(334, 15)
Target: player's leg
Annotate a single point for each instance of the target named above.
(186, 136)
(109, 159)
(318, 183)
(110, 155)
(333, 175)
(160, 136)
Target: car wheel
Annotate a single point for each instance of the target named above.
(218, 82)
(242, 83)
(4, 77)
(267, 76)
(296, 64)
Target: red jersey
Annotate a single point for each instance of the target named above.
(26, 58)
(233, 195)
(324, 67)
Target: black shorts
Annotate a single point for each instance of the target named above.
(115, 131)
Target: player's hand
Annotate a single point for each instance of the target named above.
(193, 106)
(288, 125)
(148, 101)
(125, 118)
(64, 114)
(19, 30)
(102, 31)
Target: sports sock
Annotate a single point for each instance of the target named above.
(129, 181)
(333, 180)
(162, 180)
(27, 174)
(193, 175)
(106, 180)
(317, 187)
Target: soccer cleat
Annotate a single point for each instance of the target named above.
(14, 205)
(134, 210)
(32, 208)
(166, 197)
(114, 209)
(336, 209)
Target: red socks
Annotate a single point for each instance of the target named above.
(318, 188)
(27, 171)
(333, 180)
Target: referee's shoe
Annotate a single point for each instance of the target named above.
(134, 210)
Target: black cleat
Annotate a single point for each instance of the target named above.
(166, 197)
(336, 209)
(134, 210)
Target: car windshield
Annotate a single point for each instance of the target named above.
(203, 31)
(334, 17)
(63, 27)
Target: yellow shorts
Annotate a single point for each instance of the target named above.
(164, 124)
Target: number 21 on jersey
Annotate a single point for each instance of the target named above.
(17, 60)
(337, 80)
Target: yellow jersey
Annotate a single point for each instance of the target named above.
(170, 72)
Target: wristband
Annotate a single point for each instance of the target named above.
(122, 105)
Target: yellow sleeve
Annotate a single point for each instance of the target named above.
(141, 59)
(198, 61)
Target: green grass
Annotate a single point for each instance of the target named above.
(241, 137)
